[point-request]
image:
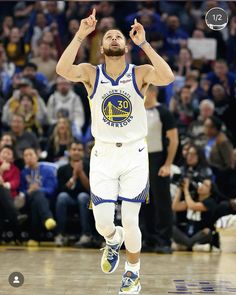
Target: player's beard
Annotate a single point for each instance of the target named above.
(112, 52)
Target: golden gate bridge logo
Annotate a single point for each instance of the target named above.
(116, 108)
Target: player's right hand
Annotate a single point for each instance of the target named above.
(87, 25)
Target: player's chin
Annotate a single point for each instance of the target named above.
(114, 51)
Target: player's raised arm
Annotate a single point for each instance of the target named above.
(159, 73)
(65, 67)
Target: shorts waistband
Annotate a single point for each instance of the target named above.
(119, 144)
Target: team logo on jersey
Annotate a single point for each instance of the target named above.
(117, 109)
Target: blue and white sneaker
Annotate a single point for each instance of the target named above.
(110, 258)
(130, 283)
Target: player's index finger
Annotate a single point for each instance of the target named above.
(135, 20)
(94, 12)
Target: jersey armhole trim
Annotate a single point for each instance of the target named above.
(135, 84)
(96, 82)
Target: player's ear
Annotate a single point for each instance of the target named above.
(101, 50)
(126, 49)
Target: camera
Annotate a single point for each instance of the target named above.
(194, 178)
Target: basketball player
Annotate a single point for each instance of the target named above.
(119, 159)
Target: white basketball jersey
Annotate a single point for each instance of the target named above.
(117, 107)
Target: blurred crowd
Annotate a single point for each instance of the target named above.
(45, 120)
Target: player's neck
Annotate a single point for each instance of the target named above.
(115, 66)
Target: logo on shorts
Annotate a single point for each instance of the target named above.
(117, 109)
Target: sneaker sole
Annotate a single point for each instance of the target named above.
(131, 292)
(114, 269)
(118, 261)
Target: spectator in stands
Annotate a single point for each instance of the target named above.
(73, 27)
(53, 39)
(9, 184)
(56, 15)
(6, 139)
(5, 78)
(28, 109)
(7, 66)
(65, 99)
(21, 12)
(44, 61)
(184, 63)
(195, 168)
(7, 25)
(218, 151)
(174, 37)
(184, 147)
(21, 137)
(198, 93)
(225, 109)
(196, 128)
(222, 75)
(16, 49)
(60, 141)
(199, 212)
(38, 80)
(38, 25)
(24, 87)
(38, 184)
(9, 173)
(220, 100)
(183, 108)
(73, 188)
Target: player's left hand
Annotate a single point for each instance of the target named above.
(164, 171)
(137, 33)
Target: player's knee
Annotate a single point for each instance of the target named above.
(104, 229)
(129, 222)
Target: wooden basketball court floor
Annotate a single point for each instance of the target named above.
(68, 271)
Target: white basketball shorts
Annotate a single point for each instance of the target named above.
(119, 172)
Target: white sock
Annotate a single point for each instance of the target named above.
(132, 267)
(115, 239)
